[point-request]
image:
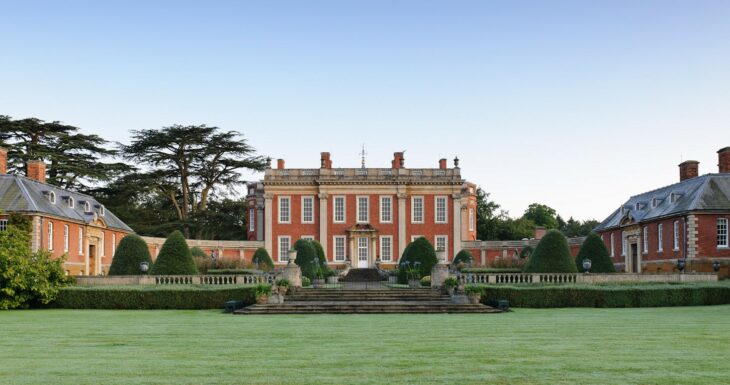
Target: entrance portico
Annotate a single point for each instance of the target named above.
(362, 245)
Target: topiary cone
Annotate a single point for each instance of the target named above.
(131, 251)
(552, 255)
(175, 257)
(594, 250)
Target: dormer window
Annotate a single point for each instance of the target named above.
(52, 197)
(102, 211)
(638, 206)
(70, 201)
(87, 207)
(654, 202)
(674, 197)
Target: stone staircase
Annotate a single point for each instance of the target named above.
(327, 301)
(363, 275)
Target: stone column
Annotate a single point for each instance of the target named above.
(401, 224)
(323, 235)
(268, 236)
(373, 251)
(353, 255)
(691, 236)
(259, 221)
(457, 222)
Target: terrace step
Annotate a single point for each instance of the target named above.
(363, 275)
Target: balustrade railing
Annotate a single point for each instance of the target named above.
(241, 279)
(515, 278)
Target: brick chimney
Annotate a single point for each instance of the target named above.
(723, 160)
(540, 232)
(3, 160)
(326, 160)
(689, 169)
(442, 163)
(398, 160)
(36, 170)
(280, 164)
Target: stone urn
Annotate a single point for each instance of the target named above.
(262, 299)
(474, 298)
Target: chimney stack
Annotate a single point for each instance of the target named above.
(326, 161)
(398, 160)
(3, 160)
(723, 160)
(36, 170)
(442, 163)
(689, 169)
(280, 164)
(540, 232)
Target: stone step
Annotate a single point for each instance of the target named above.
(365, 309)
(363, 275)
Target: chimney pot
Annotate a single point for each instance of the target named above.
(3, 160)
(280, 164)
(688, 169)
(442, 163)
(36, 170)
(398, 160)
(723, 160)
(326, 160)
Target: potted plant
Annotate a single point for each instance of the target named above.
(283, 285)
(414, 275)
(474, 293)
(450, 284)
(262, 293)
(332, 277)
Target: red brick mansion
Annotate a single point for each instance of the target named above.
(362, 214)
(688, 219)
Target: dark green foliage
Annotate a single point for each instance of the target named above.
(152, 297)
(262, 260)
(637, 295)
(132, 251)
(306, 282)
(320, 253)
(21, 222)
(551, 255)
(197, 252)
(174, 258)
(594, 250)
(419, 253)
(464, 256)
(307, 258)
(527, 251)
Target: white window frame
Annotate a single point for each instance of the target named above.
(283, 257)
(645, 239)
(386, 257)
(102, 210)
(358, 206)
(612, 246)
(308, 237)
(660, 237)
(3, 224)
(52, 197)
(311, 209)
(71, 202)
(65, 238)
(722, 232)
(338, 257)
(623, 243)
(436, 200)
(471, 219)
(386, 216)
(251, 219)
(81, 241)
(445, 238)
(675, 242)
(50, 236)
(413, 209)
(87, 207)
(288, 209)
(334, 209)
(363, 243)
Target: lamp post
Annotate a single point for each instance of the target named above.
(586, 265)
(144, 267)
(681, 264)
(716, 266)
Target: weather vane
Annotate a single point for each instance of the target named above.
(362, 154)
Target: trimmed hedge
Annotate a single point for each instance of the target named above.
(552, 255)
(262, 259)
(131, 251)
(152, 297)
(610, 296)
(594, 250)
(175, 257)
(420, 250)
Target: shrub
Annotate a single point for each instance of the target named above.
(283, 282)
(419, 254)
(152, 297)
(306, 282)
(262, 289)
(426, 281)
(451, 282)
(27, 278)
(197, 252)
(473, 289)
(131, 251)
(551, 255)
(594, 250)
(307, 258)
(463, 257)
(610, 296)
(508, 263)
(526, 252)
(320, 253)
(174, 257)
(262, 260)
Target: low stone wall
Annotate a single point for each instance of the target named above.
(238, 279)
(629, 277)
(521, 278)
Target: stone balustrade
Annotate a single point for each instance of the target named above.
(561, 278)
(238, 279)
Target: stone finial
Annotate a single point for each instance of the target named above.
(456, 162)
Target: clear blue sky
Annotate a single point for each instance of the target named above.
(573, 104)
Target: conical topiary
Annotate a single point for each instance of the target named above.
(197, 252)
(175, 257)
(464, 257)
(320, 253)
(307, 258)
(551, 255)
(421, 251)
(594, 250)
(131, 251)
(262, 260)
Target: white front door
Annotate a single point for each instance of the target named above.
(362, 253)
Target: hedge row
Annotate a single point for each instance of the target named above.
(152, 297)
(648, 295)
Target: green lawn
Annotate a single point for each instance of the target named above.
(557, 346)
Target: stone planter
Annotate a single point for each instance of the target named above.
(318, 283)
(449, 290)
(333, 280)
(262, 299)
(414, 283)
(474, 298)
(283, 289)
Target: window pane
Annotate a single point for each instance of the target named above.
(339, 209)
(362, 209)
(722, 239)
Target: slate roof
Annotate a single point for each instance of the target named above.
(710, 192)
(19, 194)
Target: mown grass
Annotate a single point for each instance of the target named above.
(687, 345)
